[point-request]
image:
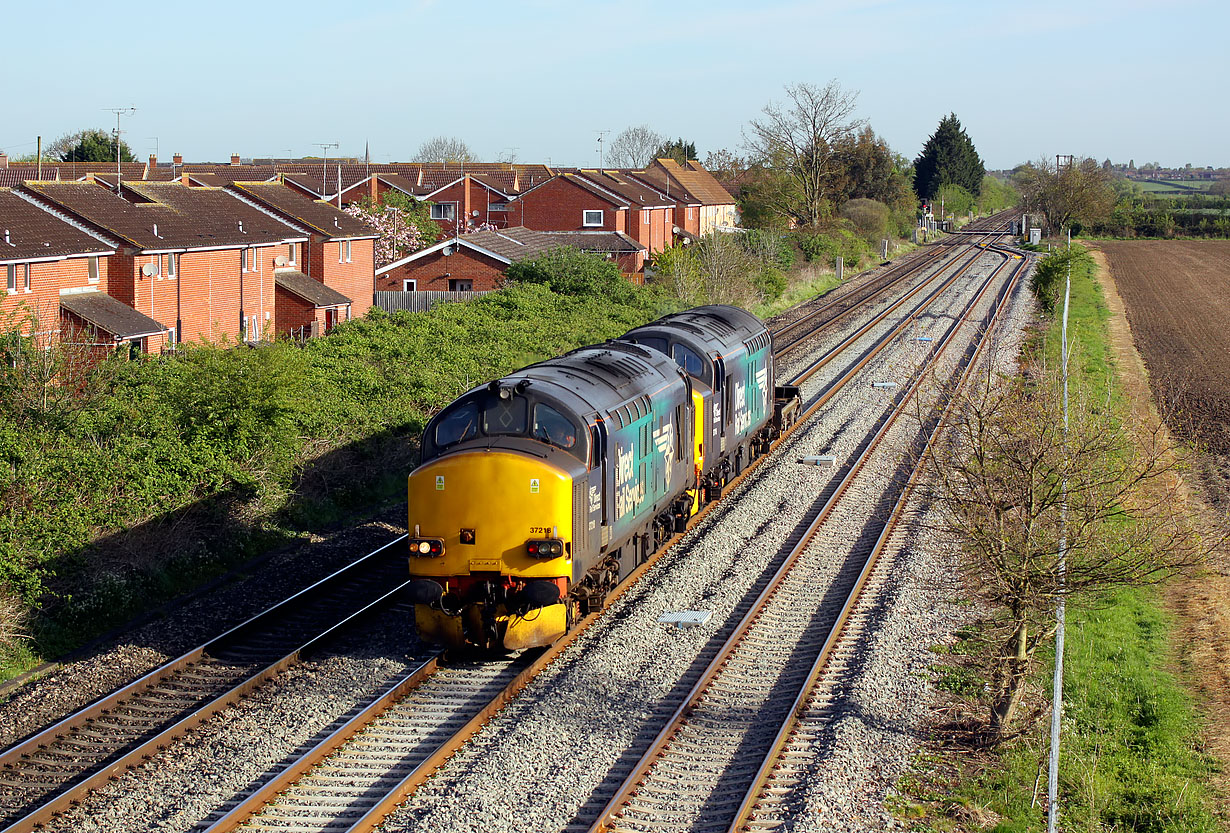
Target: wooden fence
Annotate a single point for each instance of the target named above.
(419, 301)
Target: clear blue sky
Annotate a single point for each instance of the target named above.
(1124, 80)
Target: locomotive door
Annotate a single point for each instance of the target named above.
(599, 488)
(721, 400)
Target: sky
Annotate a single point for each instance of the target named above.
(541, 80)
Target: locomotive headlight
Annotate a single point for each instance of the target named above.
(431, 547)
(545, 548)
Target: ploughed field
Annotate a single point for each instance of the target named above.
(1177, 294)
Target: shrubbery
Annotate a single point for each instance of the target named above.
(181, 464)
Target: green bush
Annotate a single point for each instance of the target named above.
(570, 271)
(869, 217)
(837, 242)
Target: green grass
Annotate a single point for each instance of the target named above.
(1161, 187)
(1130, 756)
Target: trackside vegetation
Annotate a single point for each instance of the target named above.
(143, 478)
(1131, 751)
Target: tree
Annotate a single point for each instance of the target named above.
(404, 224)
(1008, 484)
(89, 146)
(1078, 195)
(796, 144)
(739, 269)
(870, 170)
(948, 158)
(634, 147)
(678, 149)
(444, 149)
(724, 164)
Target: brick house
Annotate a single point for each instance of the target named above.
(199, 260)
(477, 261)
(598, 201)
(340, 256)
(55, 280)
(715, 205)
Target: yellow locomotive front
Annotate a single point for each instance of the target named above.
(491, 531)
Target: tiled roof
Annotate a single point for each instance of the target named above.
(185, 218)
(309, 289)
(594, 241)
(320, 216)
(222, 174)
(110, 315)
(71, 171)
(518, 242)
(29, 232)
(694, 178)
(635, 192)
(14, 175)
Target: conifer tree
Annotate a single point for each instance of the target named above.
(948, 158)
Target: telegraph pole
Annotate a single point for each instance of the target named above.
(119, 111)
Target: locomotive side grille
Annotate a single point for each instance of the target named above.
(579, 536)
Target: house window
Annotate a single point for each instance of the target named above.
(12, 284)
(690, 215)
(171, 339)
(591, 218)
(92, 276)
(460, 285)
(249, 260)
(646, 215)
(409, 285)
(26, 269)
(170, 265)
(347, 244)
(290, 252)
(444, 211)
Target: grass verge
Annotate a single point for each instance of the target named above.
(1131, 755)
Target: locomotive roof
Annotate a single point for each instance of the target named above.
(716, 327)
(602, 377)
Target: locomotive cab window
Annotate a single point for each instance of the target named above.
(686, 358)
(505, 416)
(552, 427)
(654, 343)
(461, 424)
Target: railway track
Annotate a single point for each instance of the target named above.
(722, 741)
(347, 756)
(47, 772)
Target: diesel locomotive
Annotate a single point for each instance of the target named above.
(539, 492)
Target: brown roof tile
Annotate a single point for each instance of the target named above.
(309, 289)
(185, 218)
(320, 216)
(110, 315)
(29, 232)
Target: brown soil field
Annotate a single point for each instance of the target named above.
(1177, 294)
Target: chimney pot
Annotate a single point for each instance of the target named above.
(234, 158)
(4, 159)
(177, 159)
(153, 161)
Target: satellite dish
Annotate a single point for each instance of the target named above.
(149, 270)
(474, 212)
(280, 260)
(446, 251)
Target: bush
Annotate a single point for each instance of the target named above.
(837, 242)
(1051, 273)
(869, 217)
(569, 271)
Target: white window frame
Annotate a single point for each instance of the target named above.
(690, 214)
(171, 338)
(26, 270)
(172, 265)
(586, 217)
(157, 261)
(11, 286)
(92, 270)
(245, 259)
(290, 259)
(349, 244)
(447, 211)
(409, 285)
(646, 213)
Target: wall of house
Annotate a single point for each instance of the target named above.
(40, 307)
(716, 215)
(559, 205)
(653, 227)
(355, 279)
(293, 312)
(433, 272)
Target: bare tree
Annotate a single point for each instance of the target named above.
(634, 147)
(798, 142)
(12, 621)
(725, 164)
(1009, 484)
(715, 270)
(1080, 192)
(444, 149)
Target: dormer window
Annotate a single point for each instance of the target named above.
(591, 218)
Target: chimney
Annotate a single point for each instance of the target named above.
(153, 161)
(234, 158)
(177, 159)
(4, 159)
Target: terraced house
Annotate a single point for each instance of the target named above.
(199, 261)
